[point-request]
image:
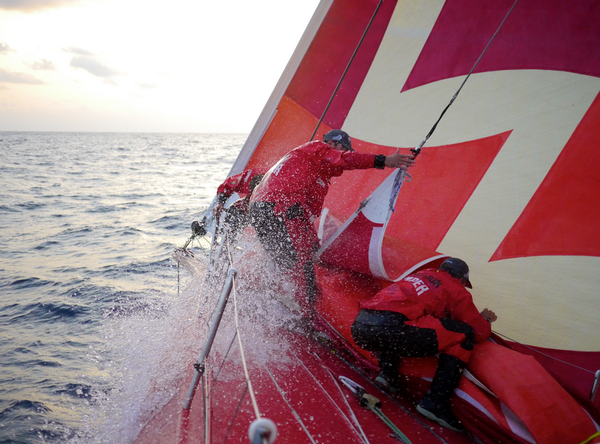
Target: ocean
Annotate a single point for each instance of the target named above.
(88, 287)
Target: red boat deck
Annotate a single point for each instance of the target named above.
(302, 394)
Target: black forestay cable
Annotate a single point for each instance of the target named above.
(345, 71)
(417, 150)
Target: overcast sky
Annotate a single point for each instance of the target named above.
(143, 65)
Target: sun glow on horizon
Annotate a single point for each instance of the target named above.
(130, 65)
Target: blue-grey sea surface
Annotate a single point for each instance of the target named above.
(88, 224)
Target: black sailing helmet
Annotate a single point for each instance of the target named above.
(457, 269)
(339, 136)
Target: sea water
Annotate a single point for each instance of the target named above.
(88, 286)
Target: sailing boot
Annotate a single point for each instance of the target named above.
(435, 405)
(388, 378)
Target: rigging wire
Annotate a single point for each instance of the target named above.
(216, 375)
(417, 150)
(370, 402)
(290, 406)
(544, 354)
(391, 398)
(345, 70)
(357, 426)
(329, 372)
(237, 409)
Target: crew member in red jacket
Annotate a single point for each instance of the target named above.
(290, 197)
(243, 184)
(426, 313)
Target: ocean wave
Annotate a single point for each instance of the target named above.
(144, 267)
(50, 311)
(168, 222)
(9, 209)
(24, 405)
(30, 205)
(46, 245)
(163, 219)
(129, 231)
(75, 231)
(31, 282)
(105, 209)
(40, 363)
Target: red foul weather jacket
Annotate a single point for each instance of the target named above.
(240, 183)
(431, 292)
(302, 176)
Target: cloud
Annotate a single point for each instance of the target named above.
(4, 48)
(91, 63)
(35, 5)
(43, 64)
(78, 51)
(110, 81)
(18, 77)
(146, 85)
(93, 66)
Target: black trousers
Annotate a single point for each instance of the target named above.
(273, 234)
(291, 250)
(386, 334)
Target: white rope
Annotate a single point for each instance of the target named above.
(239, 336)
(237, 327)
